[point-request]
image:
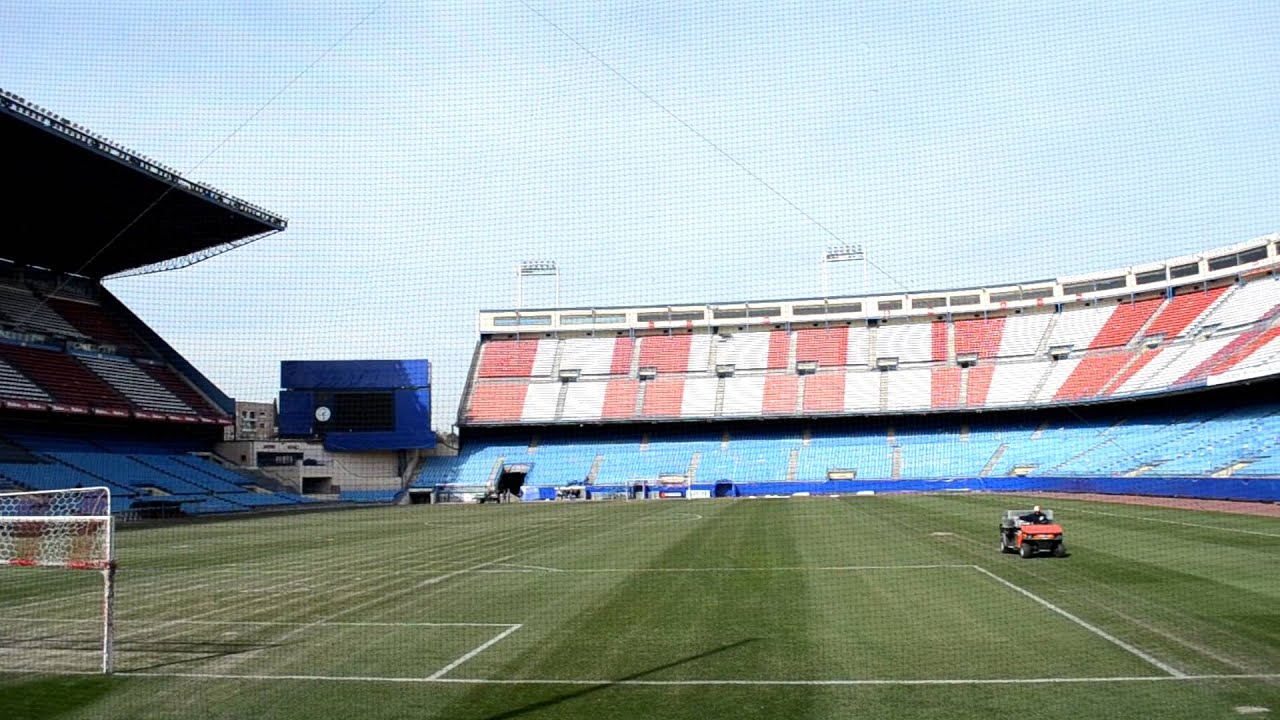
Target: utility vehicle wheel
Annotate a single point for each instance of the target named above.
(1060, 550)
(1026, 551)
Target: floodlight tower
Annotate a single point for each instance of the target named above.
(841, 254)
(535, 268)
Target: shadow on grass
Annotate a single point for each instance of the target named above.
(551, 702)
(51, 697)
(188, 650)
(194, 652)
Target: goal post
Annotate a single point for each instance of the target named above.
(69, 529)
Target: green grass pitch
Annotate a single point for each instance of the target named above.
(890, 606)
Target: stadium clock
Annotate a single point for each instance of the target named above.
(323, 414)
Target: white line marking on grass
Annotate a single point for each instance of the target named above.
(1176, 522)
(1087, 626)
(793, 568)
(1185, 643)
(481, 648)
(269, 623)
(532, 567)
(383, 598)
(670, 683)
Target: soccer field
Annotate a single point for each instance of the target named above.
(891, 606)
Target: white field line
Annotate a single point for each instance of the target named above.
(360, 585)
(272, 623)
(251, 603)
(370, 603)
(1087, 626)
(1177, 522)
(533, 567)
(1183, 642)
(62, 597)
(301, 584)
(218, 603)
(158, 630)
(152, 583)
(604, 682)
(784, 568)
(479, 649)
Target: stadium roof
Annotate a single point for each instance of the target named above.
(82, 204)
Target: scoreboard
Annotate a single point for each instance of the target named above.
(357, 404)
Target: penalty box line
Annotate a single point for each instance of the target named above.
(437, 675)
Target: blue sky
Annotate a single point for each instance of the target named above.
(421, 149)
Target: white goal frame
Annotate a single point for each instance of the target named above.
(55, 529)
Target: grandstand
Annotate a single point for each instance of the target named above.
(1091, 375)
(89, 395)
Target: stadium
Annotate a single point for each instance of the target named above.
(760, 508)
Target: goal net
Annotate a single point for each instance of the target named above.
(62, 529)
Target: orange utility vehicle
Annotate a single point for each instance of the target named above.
(1028, 539)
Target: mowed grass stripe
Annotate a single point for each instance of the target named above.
(1185, 618)
(139, 548)
(224, 600)
(667, 611)
(398, 596)
(640, 626)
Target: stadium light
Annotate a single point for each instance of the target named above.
(848, 252)
(536, 268)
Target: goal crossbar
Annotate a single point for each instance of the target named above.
(70, 529)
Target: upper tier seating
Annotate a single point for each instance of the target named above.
(590, 355)
(172, 382)
(908, 390)
(1015, 383)
(15, 386)
(21, 309)
(140, 388)
(1023, 334)
(1055, 378)
(744, 395)
(1078, 328)
(1124, 322)
(824, 393)
(540, 402)
(64, 378)
(828, 347)
(780, 395)
(1182, 311)
(981, 337)
(944, 390)
(754, 350)
(94, 322)
(1245, 304)
(1079, 353)
(584, 401)
(663, 397)
(909, 342)
(517, 358)
(676, 353)
(620, 398)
